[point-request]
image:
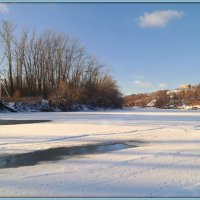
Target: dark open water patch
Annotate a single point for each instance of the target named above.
(55, 154)
(13, 122)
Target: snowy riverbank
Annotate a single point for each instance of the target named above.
(165, 165)
(45, 106)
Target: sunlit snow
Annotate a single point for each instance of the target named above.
(165, 164)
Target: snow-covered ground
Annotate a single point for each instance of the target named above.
(166, 163)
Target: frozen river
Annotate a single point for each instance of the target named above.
(163, 160)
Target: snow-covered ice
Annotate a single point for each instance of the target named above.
(167, 164)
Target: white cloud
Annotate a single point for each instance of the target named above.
(158, 18)
(162, 85)
(4, 8)
(143, 84)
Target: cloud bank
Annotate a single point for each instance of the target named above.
(158, 18)
(143, 84)
(162, 85)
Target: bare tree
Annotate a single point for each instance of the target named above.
(54, 66)
(6, 32)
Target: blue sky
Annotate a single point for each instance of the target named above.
(148, 46)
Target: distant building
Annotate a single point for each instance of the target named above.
(184, 86)
(179, 89)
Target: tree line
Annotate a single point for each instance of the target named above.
(165, 98)
(53, 66)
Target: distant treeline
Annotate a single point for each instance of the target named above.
(165, 98)
(53, 66)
